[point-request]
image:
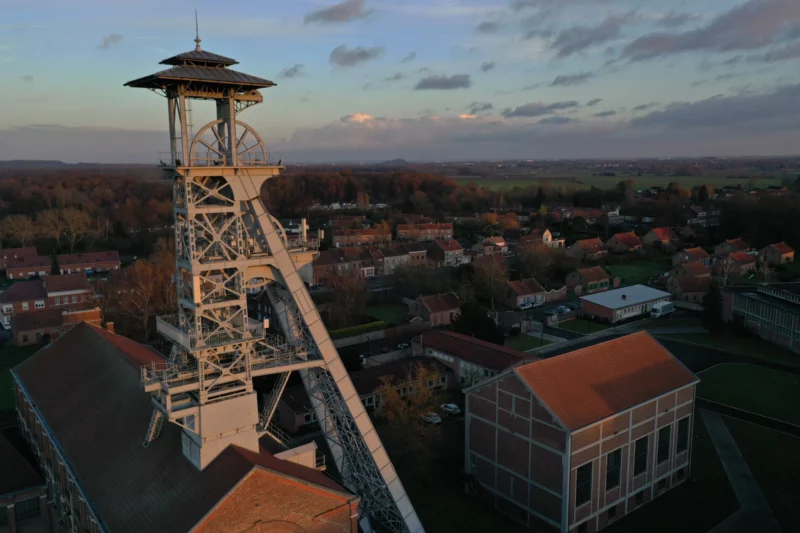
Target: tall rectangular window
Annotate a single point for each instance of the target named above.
(613, 469)
(663, 444)
(640, 456)
(683, 435)
(583, 485)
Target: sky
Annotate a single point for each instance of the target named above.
(422, 80)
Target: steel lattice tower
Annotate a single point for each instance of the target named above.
(225, 242)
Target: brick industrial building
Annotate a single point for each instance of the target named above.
(572, 443)
(771, 311)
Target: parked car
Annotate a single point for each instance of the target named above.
(525, 307)
(563, 309)
(403, 346)
(432, 418)
(573, 305)
(451, 409)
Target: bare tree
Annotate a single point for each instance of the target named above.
(19, 228)
(50, 224)
(77, 225)
(490, 279)
(349, 300)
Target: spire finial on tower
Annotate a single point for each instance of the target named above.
(196, 32)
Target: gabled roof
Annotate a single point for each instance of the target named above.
(696, 269)
(588, 245)
(629, 239)
(438, 303)
(594, 273)
(479, 352)
(49, 318)
(737, 244)
(782, 248)
(594, 383)
(448, 245)
(188, 73)
(10, 255)
(17, 473)
(496, 241)
(425, 227)
(24, 291)
(67, 282)
(696, 253)
(525, 286)
(367, 380)
(109, 256)
(30, 261)
(665, 234)
(741, 257)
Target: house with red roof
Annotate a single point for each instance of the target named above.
(731, 245)
(663, 237)
(591, 280)
(623, 243)
(777, 254)
(524, 291)
(689, 289)
(88, 262)
(688, 255)
(445, 252)
(29, 266)
(424, 232)
(436, 309)
(734, 264)
(695, 270)
(576, 441)
(587, 249)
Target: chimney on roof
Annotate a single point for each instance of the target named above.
(624, 296)
(110, 327)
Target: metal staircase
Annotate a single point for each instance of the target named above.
(154, 429)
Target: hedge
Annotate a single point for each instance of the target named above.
(358, 330)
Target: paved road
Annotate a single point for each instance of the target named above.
(747, 416)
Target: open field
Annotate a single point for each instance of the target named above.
(525, 342)
(637, 272)
(741, 344)
(579, 325)
(608, 182)
(390, 313)
(760, 390)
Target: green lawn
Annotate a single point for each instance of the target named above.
(580, 325)
(753, 388)
(391, 313)
(10, 356)
(774, 461)
(524, 343)
(741, 344)
(637, 272)
(704, 500)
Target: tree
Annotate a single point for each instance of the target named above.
(19, 228)
(383, 228)
(489, 218)
(474, 321)
(704, 193)
(535, 263)
(490, 279)
(540, 198)
(712, 310)
(50, 224)
(509, 223)
(349, 300)
(625, 189)
(76, 224)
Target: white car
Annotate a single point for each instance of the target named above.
(432, 418)
(525, 307)
(403, 346)
(451, 409)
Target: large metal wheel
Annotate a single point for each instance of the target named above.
(210, 145)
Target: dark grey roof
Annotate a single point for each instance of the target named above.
(199, 56)
(224, 76)
(17, 473)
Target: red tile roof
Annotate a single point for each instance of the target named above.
(782, 248)
(438, 303)
(479, 352)
(525, 286)
(67, 282)
(111, 256)
(697, 253)
(50, 318)
(8, 255)
(696, 269)
(594, 273)
(593, 383)
(30, 261)
(741, 257)
(448, 245)
(738, 244)
(24, 291)
(629, 239)
(665, 234)
(425, 227)
(589, 245)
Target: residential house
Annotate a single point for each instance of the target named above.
(359, 237)
(689, 289)
(360, 261)
(23, 493)
(700, 216)
(695, 270)
(424, 232)
(731, 245)
(524, 291)
(89, 262)
(295, 413)
(591, 280)
(490, 246)
(623, 243)
(690, 232)
(343, 222)
(777, 254)
(663, 237)
(690, 255)
(557, 464)
(770, 310)
(416, 253)
(42, 327)
(621, 304)
(471, 360)
(28, 267)
(95, 471)
(393, 257)
(540, 237)
(69, 289)
(413, 218)
(733, 265)
(445, 253)
(436, 309)
(22, 297)
(587, 249)
(9, 255)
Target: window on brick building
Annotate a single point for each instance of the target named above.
(613, 469)
(663, 444)
(583, 485)
(612, 513)
(639, 498)
(24, 306)
(24, 338)
(57, 301)
(640, 456)
(683, 435)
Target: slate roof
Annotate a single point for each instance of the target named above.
(24, 291)
(67, 282)
(593, 383)
(482, 353)
(109, 256)
(525, 286)
(413, 247)
(438, 303)
(222, 76)
(198, 56)
(17, 473)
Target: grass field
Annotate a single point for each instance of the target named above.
(760, 390)
(525, 342)
(391, 313)
(608, 182)
(579, 325)
(745, 345)
(10, 356)
(637, 272)
(776, 471)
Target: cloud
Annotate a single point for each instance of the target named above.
(593, 102)
(488, 27)
(396, 77)
(567, 80)
(579, 38)
(465, 116)
(456, 81)
(344, 57)
(356, 118)
(782, 54)
(605, 114)
(346, 11)
(27, 78)
(479, 107)
(555, 120)
(486, 66)
(749, 26)
(645, 107)
(109, 40)
(537, 109)
(294, 71)
(409, 58)
(674, 20)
